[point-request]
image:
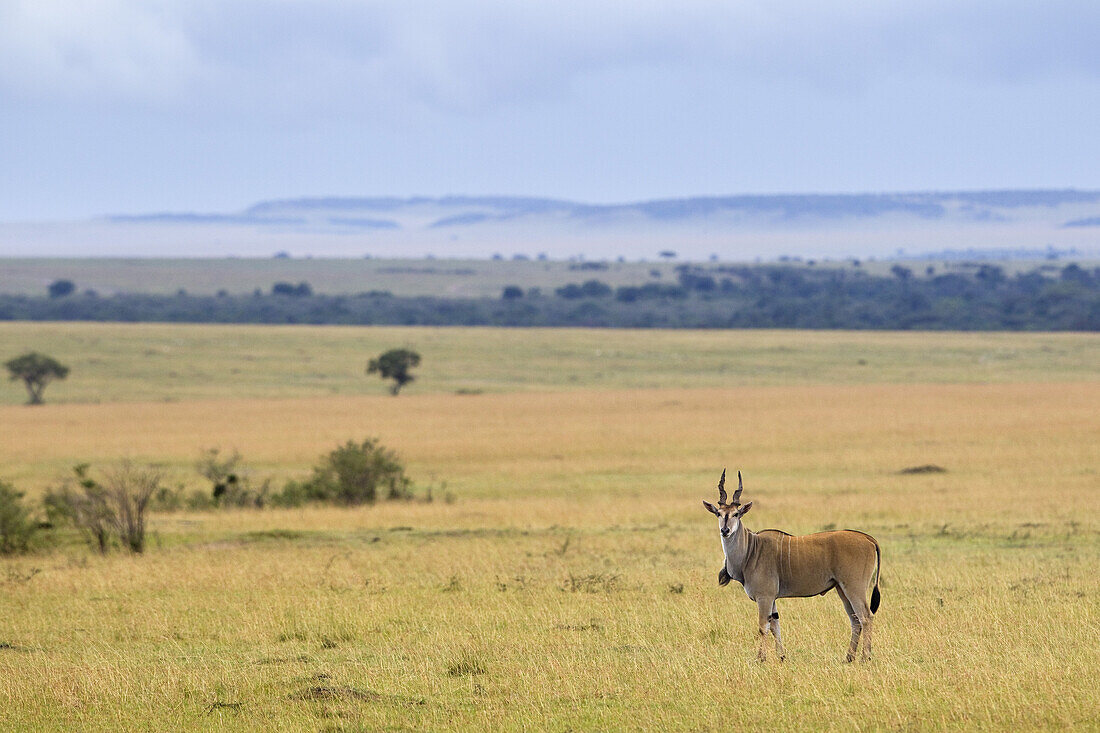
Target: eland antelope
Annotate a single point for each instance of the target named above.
(771, 564)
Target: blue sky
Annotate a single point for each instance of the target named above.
(119, 106)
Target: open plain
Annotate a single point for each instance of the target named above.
(565, 576)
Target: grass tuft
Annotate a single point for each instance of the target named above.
(467, 663)
(591, 583)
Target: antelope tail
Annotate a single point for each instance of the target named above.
(875, 595)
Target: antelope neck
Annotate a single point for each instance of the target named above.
(736, 548)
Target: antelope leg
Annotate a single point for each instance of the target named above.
(774, 619)
(868, 624)
(864, 616)
(764, 606)
(856, 625)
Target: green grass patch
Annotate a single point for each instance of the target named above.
(171, 362)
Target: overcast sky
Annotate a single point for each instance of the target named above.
(128, 106)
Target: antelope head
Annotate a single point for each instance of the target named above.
(729, 514)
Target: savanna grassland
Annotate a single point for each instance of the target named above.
(572, 581)
(206, 276)
(402, 277)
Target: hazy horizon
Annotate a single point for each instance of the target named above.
(729, 228)
(226, 211)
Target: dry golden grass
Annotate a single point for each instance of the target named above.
(573, 582)
(489, 445)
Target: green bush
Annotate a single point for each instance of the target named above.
(294, 494)
(354, 473)
(167, 499)
(16, 527)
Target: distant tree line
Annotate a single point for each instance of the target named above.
(704, 296)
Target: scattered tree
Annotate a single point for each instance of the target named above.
(61, 288)
(512, 292)
(36, 370)
(588, 289)
(901, 273)
(395, 364)
(301, 290)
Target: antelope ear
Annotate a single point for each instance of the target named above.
(744, 510)
(710, 507)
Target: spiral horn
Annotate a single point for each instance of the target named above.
(740, 488)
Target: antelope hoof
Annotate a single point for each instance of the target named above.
(850, 658)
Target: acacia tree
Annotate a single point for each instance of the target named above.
(36, 370)
(395, 364)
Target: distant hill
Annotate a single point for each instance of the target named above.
(980, 206)
(731, 227)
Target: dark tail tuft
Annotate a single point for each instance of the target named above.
(875, 596)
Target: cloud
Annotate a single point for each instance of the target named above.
(468, 55)
(54, 48)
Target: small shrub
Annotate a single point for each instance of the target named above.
(198, 501)
(84, 506)
(113, 509)
(16, 527)
(130, 488)
(242, 493)
(216, 468)
(354, 473)
(230, 483)
(167, 499)
(294, 494)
